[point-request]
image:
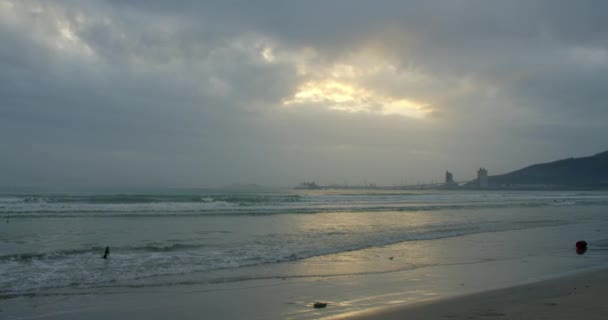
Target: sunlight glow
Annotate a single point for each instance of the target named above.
(364, 81)
(268, 55)
(69, 41)
(67, 33)
(345, 97)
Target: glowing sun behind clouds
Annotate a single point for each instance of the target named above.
(352, 98)
(338, 88)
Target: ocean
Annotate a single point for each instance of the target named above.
(55, 241)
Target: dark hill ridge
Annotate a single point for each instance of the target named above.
(573, 172)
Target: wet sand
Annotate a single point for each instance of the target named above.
(575, 296)
(578, 296)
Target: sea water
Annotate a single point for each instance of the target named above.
(56, 241)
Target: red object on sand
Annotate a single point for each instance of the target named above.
(580, 245)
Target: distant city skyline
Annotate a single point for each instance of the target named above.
(210, 93)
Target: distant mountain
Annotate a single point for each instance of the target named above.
(569, 173)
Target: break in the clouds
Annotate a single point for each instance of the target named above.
(206, 93)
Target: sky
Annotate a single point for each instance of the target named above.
(210, 93)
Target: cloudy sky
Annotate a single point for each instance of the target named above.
(211, 93)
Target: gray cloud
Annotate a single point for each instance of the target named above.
(157, 93)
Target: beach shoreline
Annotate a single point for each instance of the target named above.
(573, 295)
(464, 291)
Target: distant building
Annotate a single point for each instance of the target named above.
(308, 185)
(449, 179)
(482, 177)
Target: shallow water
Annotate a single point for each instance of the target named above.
(55, 241)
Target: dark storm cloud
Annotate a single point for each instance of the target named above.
(191, 92)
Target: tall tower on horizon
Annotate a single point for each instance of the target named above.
(482, 177)
(449, 179)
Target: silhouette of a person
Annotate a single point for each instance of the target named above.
(107, 253)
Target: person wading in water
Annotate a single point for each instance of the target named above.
(107, 253)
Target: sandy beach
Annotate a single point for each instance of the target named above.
(578, 296)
